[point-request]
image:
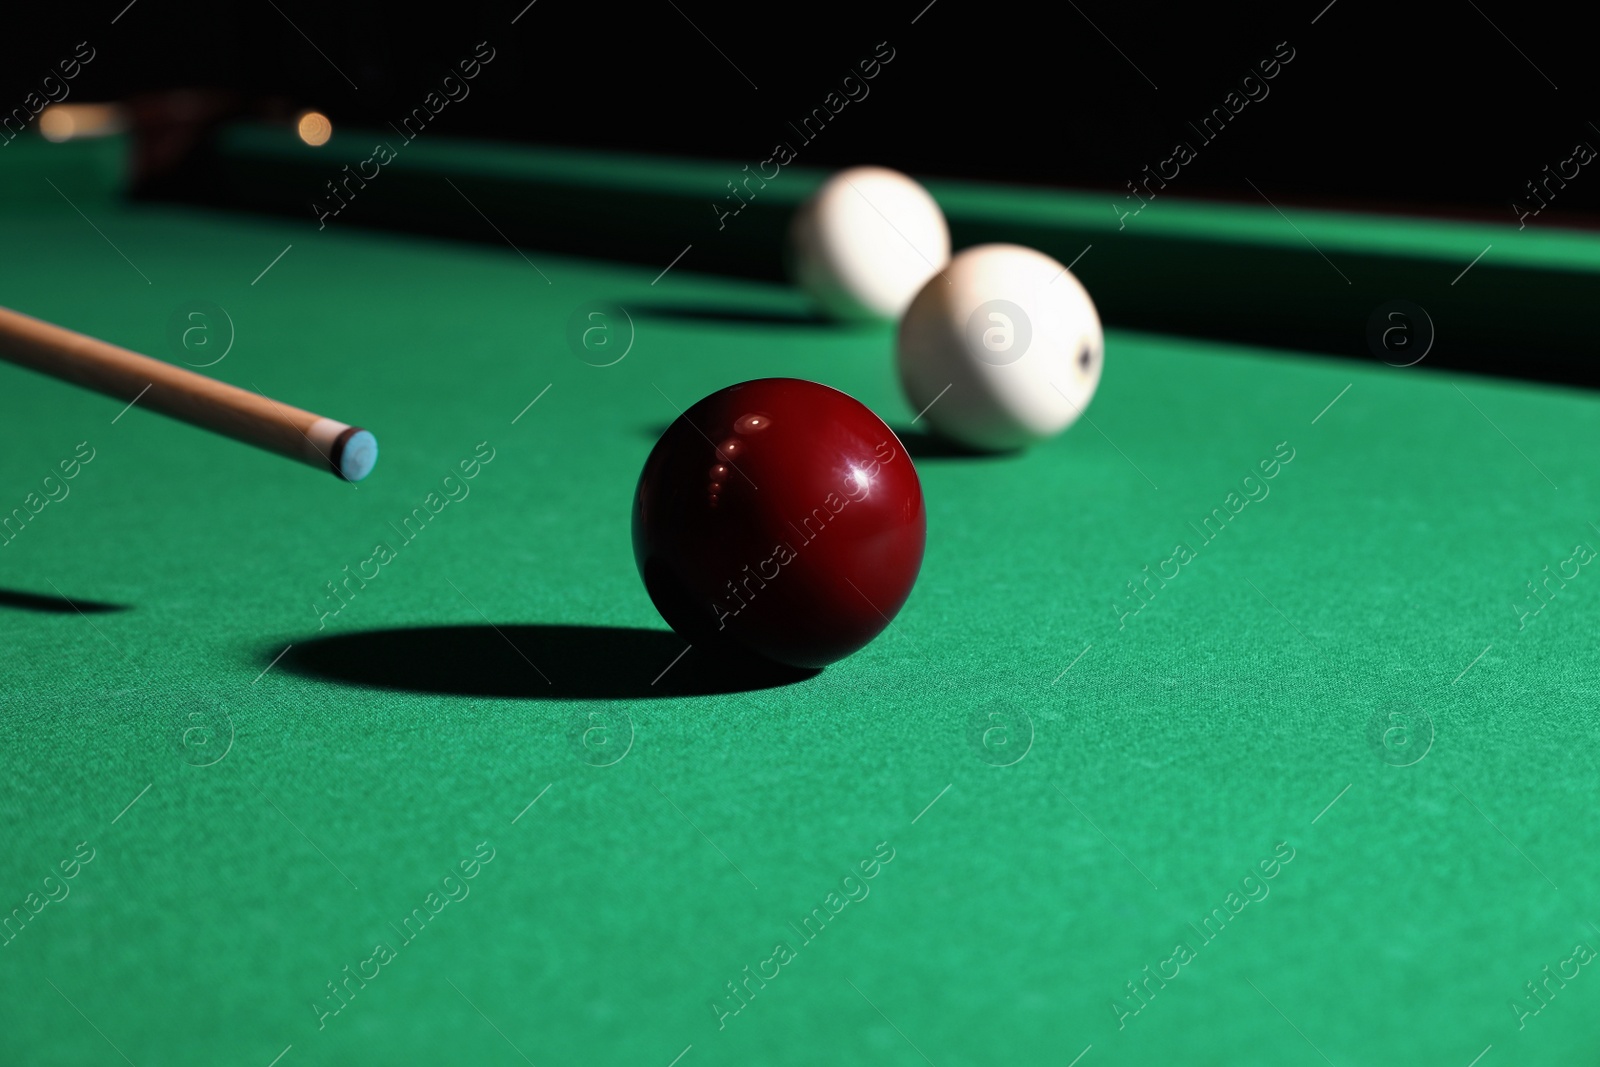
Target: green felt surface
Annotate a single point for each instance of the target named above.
(1183, 745)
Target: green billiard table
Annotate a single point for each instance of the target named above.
(1251, 721)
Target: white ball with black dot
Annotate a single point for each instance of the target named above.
(864, 243)
(1001, 349)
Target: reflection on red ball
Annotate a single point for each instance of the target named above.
(779, 518)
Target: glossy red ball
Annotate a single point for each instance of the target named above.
(779, 518)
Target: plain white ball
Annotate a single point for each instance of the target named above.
(866, 241)
(1001, 349)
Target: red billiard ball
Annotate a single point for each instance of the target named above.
(779, 518)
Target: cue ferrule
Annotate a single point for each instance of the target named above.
(348, 451)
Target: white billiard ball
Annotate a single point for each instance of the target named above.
(1001, 349)
(864, 243)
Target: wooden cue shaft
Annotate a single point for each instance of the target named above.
(348, 451)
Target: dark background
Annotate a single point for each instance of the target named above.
(1383, 106)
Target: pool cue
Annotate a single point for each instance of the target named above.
(348, 451)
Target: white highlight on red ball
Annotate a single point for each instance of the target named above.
(866, 241)
(1001, 349)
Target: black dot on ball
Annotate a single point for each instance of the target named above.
(1085, 358)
